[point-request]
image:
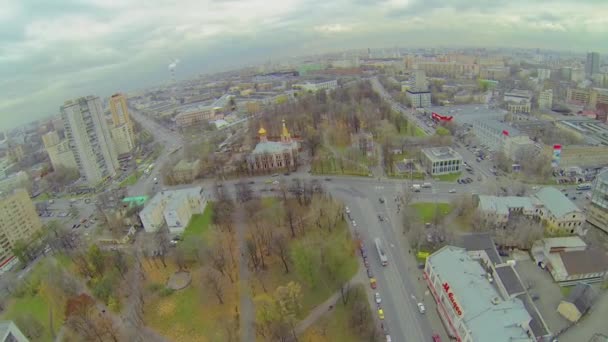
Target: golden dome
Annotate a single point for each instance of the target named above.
(262, 131)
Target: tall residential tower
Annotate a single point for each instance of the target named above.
(592, 66)
(90, 140)
(122, 130)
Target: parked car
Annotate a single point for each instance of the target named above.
(380, 218)
(372, 283)
(377, 297)
(421, 308)
(369, 273)
(452, 191)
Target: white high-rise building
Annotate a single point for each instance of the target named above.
(545, 99)
(90, 140)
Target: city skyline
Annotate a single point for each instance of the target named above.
(120, 46)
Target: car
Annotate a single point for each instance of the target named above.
(369, 273)
(436, 338)
(452, 191)
(380, 313)
(347, 210)
(275, 175)
(378, 298)
(366, 263)
(354, 224)
(251, 182)
(327, 179)
(421, 308)
(275, 183)
(380, 218)
(381, 200)
(573, 198)
(372, 283)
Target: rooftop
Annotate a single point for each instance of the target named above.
(441, 153)
(273, 147)
(171, 198)
(582, 296)
(564, 242)
(556, 202)
(501, 205)
(488, 316)
(469, 114)
(510, 279)
(585, 262)
(480, 242)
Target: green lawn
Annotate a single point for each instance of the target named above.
(451, 177)
(427, 211)
(42, 197)
(199, 224)
(131, 180)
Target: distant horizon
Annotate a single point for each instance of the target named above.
(165, 80)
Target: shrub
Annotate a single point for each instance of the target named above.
(165, 292)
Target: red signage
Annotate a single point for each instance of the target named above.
(505, 132)
(455, 305)
(557, 147)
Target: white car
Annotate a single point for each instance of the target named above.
(378, 299)
(421, 308)
(452, 191)
(275, 183)
(354, 224)
(388, 338)
(347, 210)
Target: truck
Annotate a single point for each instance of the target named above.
(426, 185)
(381, 253)
(416, 187)
(584, 186)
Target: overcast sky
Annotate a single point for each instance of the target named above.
(53, 50)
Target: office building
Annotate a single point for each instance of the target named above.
(570, 260)
(498, 136)
(9, 332)
(122, 130)
(274, 155)
(59, 151)
(544, 74)
(18, 221)
(418, 81)
(592, 65)
(90, 139)
(441, 161)
(419, 99)
(545, 99)
(476, 300)
(173, 209)
(496, 73)
(597, 210)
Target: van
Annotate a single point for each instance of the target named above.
(426, 185)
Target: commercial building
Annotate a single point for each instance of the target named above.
(497, 73)
(59, 151)
(18, 221)
(274, 155)
(476, 300)
(545, 99)
(579, 301)
(90, 139)
(518, 101)
(419, 99)
(569, 260)
(195, 115)
(314, 87)
(9, 332)
(597, 210)
(589, 98)
(172, 209)
(441, 160)
(498, 136)
(592, 65)
(548, 205)
(186, 171)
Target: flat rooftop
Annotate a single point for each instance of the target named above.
(488, 316)
(171, 199)
(468, 114)
(441, 153)
(594, 132)
(480, 242)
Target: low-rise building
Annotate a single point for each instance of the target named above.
(18, 221)
(497, 73)
(441, 160)
(195, 115)
(518, 101)
(597, 210)
(314, 87)
(545, 99)
(186, 171)
(569, 260)
(579, 301)
(473, 299)
(9, 332)
(274, 155)
(419, 99)
(499, 210)
(498, 136)
(172, 209)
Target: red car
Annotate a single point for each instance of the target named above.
(436, 338)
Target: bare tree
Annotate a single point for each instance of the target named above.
(161, 238)
(244, 192)
(281, 247)
(214, 279)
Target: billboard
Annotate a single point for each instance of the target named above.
(557, 155)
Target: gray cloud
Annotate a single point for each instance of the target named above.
(51, 51)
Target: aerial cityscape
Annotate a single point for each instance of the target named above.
(349, 189)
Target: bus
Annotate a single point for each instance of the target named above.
(381, 253)
(584, 186)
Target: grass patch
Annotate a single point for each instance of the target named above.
(427, 211)
(419, 132)
(451, 177)
(328, 164)
(131, 180)
(199, 223)
(335, 325)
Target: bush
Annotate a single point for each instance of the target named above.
(165, 292)
(103, 289)
(155, 287)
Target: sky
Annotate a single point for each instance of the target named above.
(52, 51)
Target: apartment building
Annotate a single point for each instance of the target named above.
(123, 139)
(195, 115)
(59, 151)
(14, 181)
(589, 98)
(441, 160)
(122, 130)
(496, 73)
(314, 87)
(597, 210)
(18, 221)
(90, 139)
(173, 209)
(545, 99)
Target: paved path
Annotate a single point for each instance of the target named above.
(247, 311)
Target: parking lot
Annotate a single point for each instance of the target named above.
(549, 293)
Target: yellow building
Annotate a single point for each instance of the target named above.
(119, 109)
(274, 155)
(59, 151)
(578, 302)
(122, 131)
(18, 221)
